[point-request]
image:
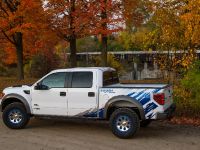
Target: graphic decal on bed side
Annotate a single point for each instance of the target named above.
(145, 99)
(94, 113)
(143, 96)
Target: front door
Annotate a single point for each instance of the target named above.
(82, 95)
(51, 101)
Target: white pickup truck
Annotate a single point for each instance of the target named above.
(93, 93)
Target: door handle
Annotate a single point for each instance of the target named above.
(91, 94)
(62, 93)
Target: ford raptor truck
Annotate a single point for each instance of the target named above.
(88, 93)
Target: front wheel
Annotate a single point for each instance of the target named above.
(124, 123)
(15, 116)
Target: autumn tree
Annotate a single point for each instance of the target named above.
(70, 20)
(112, 16)
(17, 17)
(175, 26)
(134, 13)
(190, 21)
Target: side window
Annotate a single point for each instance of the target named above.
(82, 80)
(110, 77)
(56, 80)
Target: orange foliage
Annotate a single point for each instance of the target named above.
(28, 18)
(69, 18)
(86, 17)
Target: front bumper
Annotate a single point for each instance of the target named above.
(168, 113)
(0, 105)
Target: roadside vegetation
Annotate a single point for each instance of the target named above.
(186, 92)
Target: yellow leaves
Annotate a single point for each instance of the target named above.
(191, 22)
(177, 24)
(176, 63)
(188, 59)
(112, 62)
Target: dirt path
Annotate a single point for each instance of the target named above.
(74, 135)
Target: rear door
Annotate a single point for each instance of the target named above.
(82, 94)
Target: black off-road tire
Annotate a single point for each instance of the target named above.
(145, 123)
(131, 129)
(11, 109)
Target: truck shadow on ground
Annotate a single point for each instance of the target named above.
(155, 130)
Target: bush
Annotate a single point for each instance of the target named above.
(187, 92)
(7, 71)
(3, 70)
(191, 81)
(40, 65)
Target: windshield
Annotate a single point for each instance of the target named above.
(110, 77)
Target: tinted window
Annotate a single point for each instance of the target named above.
(82, 79)
(110, 77)
(56, 80)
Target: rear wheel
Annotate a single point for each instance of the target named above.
(124, 123)
(15, 116)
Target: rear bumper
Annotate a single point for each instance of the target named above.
(168, 113)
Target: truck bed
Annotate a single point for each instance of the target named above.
(143, 93)
(136, 85)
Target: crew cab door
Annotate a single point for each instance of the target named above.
(51, 99)
(82, 94)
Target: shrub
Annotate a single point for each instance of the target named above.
(40, 65)
(187, 91)
(7, 71)
(3, 70)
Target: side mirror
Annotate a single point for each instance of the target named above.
(41, 87)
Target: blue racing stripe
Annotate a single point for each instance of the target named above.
(138, 95)
(130, 94)
(101, 113)
(156, 90)
(145, 99)
(150, 116)
(150, 107)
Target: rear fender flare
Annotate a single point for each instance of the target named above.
(124, 101)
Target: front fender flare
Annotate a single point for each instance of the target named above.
(18, 97)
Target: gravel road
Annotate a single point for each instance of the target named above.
(93, 135)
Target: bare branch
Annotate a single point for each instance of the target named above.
(1, 7)
(7, 37)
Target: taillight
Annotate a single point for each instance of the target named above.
(159, 98)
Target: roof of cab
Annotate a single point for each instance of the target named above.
(103, 69)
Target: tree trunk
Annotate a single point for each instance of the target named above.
(72, 40)
(104, 50)
(73, 52)
(104, 38)
(19, 48)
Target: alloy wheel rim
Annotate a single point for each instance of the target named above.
(123, 123)
(15, 116)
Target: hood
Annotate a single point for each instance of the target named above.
(16, 89)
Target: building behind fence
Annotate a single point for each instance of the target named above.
(141, 64)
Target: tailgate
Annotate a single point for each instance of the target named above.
(168, 97)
